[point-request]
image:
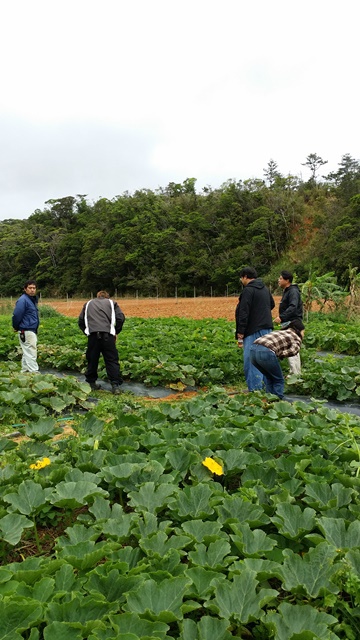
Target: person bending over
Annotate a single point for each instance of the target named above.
(267, 350)
(101, 319)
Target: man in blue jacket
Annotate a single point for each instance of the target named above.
(25, 321)
(253, 320)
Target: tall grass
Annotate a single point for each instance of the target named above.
(45, 311)
(6, 306)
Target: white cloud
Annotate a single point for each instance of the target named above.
(100, 98)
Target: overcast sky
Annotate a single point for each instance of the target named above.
(106, 96)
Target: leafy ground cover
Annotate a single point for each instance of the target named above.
(331, 334)
(123, 533)
(180, 352)
(25, 397)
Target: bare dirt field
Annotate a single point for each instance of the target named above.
(196, 308)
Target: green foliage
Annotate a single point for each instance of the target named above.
(175, 238)
(323, 290)
(32, 397)
(174, 352)
(271, 548)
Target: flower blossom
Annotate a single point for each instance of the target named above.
(213, 466)
(40, 464)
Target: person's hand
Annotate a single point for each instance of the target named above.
(277, 320)
(240, 340)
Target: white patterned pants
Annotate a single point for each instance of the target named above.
(295, 364)
(29, 352)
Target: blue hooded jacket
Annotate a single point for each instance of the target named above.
(26, 316)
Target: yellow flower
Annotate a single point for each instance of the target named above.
(213, 466)
(40, 464)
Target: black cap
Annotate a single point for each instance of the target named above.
(297, 325)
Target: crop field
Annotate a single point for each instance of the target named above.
(196, 308)
(226, 515)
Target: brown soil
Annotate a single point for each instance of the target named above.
(196, 308)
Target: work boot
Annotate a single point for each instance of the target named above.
(94, 386)
(115, 389)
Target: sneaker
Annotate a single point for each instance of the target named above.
(94, 386)
(115, 389)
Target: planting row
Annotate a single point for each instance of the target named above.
(213, 518)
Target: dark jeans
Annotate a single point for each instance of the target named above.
(105, 344)
(253, 377)
(267, 362)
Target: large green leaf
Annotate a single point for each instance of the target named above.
(273, 441)
(204, 581)
(212, 557)
(193, 502)
(335, 532)
(117, 474)
(312, 572)
(113, 586)
(152, 499)
(13, 397)
(92, 425)
(159, 601)
(234, 509)
(85, 555)
(62, 631)
(299, 622)
(80, 610)
(251, 542)
(18, 616)
(42, 430)
(29, 497)
(56, 403)
(239, 599)
(180, 459)
(140, 627)
(65, 579)
(42, 591)
(201, 531)
(208, 628)
(74, 494)
(321, 496)
(236, 460)
(159, 544)
(117, 527)
(12, 527)
(292, 522)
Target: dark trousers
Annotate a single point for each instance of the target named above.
(105, 344)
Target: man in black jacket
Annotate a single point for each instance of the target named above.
(290, 308)
(101, 320)
(253, 320)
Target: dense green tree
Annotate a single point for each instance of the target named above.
(174, 239)
(314, 162)
(346, 179)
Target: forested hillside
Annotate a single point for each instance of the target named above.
(174, 239)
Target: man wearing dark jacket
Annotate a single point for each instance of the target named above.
(25, 321)
(290, 308)
(253, 320)
(101, 320)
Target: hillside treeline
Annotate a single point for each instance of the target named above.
(175, 239)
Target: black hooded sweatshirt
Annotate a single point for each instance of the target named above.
(291, 307)
(253, 311)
